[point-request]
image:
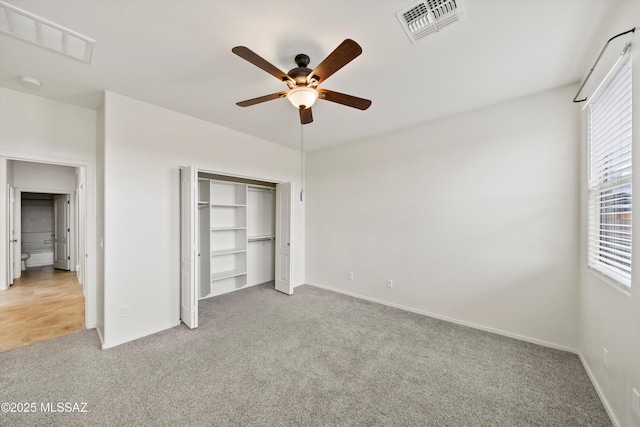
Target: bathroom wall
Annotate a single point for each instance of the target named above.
(37, 228)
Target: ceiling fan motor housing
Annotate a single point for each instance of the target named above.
(300, 73)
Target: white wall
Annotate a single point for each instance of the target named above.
(472, 216)
(610, 318)
(143, 149)
(42, 177)
(41, 127)
(40, 130)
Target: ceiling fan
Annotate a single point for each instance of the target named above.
(303, 82)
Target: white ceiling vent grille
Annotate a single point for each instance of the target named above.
(33, 29)
(426, 17)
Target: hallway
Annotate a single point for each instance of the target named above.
(44, 303)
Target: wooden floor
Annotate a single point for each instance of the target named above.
(44, 303)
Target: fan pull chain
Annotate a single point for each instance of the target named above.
(302, 160)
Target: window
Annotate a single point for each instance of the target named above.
(609, 115)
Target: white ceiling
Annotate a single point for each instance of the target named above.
(177, 54)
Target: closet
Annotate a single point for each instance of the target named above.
(237, 229)
(235, 233)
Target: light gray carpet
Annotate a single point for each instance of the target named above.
(314, 358)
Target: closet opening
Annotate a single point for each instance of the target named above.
(235, 233)
(237, 228)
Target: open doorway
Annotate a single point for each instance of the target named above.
(46, 231)
(46, 297)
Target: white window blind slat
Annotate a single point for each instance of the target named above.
(604, 121)
(610, 168)
(620, 129)
(602, 155)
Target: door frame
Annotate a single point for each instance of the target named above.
(88, 263)
(72, 222)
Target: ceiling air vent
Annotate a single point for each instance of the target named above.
(36, 30)
(426, 17)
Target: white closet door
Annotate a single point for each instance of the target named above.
(188, 246)
(284, 238)
(61, 239)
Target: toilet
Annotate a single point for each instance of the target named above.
(24, 257)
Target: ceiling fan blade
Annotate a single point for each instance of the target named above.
(305, 116)
(341, 98)
(249, 55)
(341, 56)
(260, 99)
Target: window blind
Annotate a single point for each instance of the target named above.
(609, 119)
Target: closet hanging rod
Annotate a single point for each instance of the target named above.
(260, 187)
(261, 239)
(598, 59)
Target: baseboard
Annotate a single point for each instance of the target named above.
(603, 399)
(40, 264)
(129, 338)
(449, 319)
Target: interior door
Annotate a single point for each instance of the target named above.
(10, 234)
(17, 233)
(61, 209)
(284, 237)
(188, 246)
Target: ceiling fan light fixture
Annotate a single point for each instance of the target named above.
(302, 81)
(302, 97)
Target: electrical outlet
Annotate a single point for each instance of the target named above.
(605, 357)
(635, 402)
(389, 283)
(351, 275)
(124, 311)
